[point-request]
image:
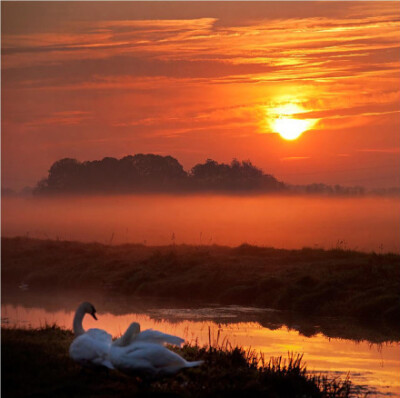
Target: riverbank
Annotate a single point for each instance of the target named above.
(36, 363)
(308, 282)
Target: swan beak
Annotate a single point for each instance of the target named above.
(94, 316)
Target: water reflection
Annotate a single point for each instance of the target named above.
(175, 311)
(371, 365)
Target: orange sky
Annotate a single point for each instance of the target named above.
(202, 80)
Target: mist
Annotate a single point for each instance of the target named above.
(290, 222)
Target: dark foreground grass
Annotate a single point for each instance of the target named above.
(308, 282)
(35, 363)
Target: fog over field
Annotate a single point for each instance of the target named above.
(366, 223)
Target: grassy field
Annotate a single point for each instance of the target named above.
(307, 282)
(35, 363)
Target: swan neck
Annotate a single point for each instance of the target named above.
(130, 334)
(77, 323)
(125, 339)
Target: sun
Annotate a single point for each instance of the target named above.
(289, 128)
(283, 122)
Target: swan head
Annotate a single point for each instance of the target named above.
(88, 308)
(133, 330)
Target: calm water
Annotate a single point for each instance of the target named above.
(280, 221)
(375, 367)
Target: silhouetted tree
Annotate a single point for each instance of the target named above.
(129, 174)
(65, 175)
(158, 172)
(155, 173)
(238, 176)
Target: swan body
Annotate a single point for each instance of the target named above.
(90, 348)
(156, 337)
(148, 359)
(144, 354)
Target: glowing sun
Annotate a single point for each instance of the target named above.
(288, 127)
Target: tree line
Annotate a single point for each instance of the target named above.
(153, 173)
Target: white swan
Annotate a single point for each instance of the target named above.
(134, 335)
(91, 347)
(146, 358)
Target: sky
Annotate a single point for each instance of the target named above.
(199, 80)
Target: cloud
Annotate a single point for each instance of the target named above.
(352, 111)
(390, 151)
(294, 158)
(66, 118)
(267, 49)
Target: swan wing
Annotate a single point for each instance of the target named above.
(148, 358)
(158, 355)
(156, 337)
(89, 351)
(131, 361)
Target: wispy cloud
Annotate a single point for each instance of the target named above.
(391, 151)
(294, 158)
(67, 118)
